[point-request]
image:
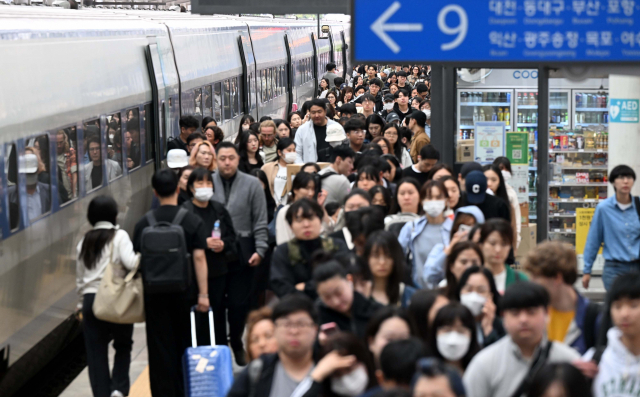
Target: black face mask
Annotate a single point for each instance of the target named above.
(384, 208)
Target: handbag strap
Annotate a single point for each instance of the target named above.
(540, 360)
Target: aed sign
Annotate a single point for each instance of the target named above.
(624, 111)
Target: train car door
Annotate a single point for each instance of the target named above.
(314, 43)
(343, 54)
(159, 113)
(249, 99)
(289, 74)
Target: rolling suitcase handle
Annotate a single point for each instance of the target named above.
(212, 333)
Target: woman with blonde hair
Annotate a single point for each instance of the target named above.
(260, 334)
(204, 156)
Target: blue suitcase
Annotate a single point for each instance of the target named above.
(208, 370)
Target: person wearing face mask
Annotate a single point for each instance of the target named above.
(276, 171)
(220, 248)
(340, 304)
(420, 236)
(453, 339)
(477, 291)
(332, 378)
(434, 271)
(291, 263)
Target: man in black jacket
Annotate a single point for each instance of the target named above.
(339, 302)
(291, 263)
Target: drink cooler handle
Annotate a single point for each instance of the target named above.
(212, 333)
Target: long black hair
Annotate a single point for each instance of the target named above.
(240, 130)
(242, 148)
(421, 303)
(271, 203)
(386, 243)
(301, 181)
(447, 316)
(502, 189)
(453, 291)
(283, 143)
(571, 378)
(197, 175)
(487, 275)
(101, 209)
(398, 147)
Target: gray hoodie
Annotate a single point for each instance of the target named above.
(619, 369)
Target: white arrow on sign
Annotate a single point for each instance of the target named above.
(380, 28)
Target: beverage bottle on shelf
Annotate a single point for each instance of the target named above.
(605, 118)
(528, 117)
(535, 99)
(534, 116)
(482, 115)
(475, 115)
(494, 116)
(531, 138)
(484, 96)
(519, 98)
(216, 234)
(507, 117)
(520, 118)
(500, 115)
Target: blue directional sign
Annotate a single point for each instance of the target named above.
(525, 31)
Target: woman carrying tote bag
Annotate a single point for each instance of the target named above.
(103, 245)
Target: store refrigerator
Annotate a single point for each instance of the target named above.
(483, 105)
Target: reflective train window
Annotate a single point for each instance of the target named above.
(239, 96)
(217, 102)
(226, 99)
(132, 138)
(115, 144)
(207, 102)
(272, 88)
(150, 130)
(234, 96)
(93, 157)
(38, 176)
(11, 174)
(67, 164)
(250, 91)
(283, 78)
(197, 102)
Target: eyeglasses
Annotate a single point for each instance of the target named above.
(358, 132)
(294, 325)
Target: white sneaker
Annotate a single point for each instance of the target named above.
(116, 393)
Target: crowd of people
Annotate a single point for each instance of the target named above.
(374, 270)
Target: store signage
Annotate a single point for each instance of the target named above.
(624, 111)
(583, 223)
(489, 141)
(520, 31)
(518, 148)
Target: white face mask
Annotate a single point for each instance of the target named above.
(336, 144)
(290, 157)
(352, 384)
(427, 113)
(203, 193)
(245, 127)
(474, 302)
(453, 345)
(388, 106)
(433, 208)
(506, 175)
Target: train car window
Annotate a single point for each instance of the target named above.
(163, 125)
(93, 158)
(227, 99)
(207, 102)
(240, 95)
(115, 145)
(234, 96)
(265, 86)
(217, 102)
(283, 79)
(250, 90)
(132, 138)
(270, 83)
(11, 173)
(38, 176)
(259, 88)
(278, 79)
(150, 130)
(197, 105)
(67, 164)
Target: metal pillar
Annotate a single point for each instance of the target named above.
(443, 105)
(543, 155)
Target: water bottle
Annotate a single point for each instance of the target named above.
(216, 231)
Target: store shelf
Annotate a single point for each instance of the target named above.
(533, 168)
(559, 215)
(583, 167)
(554, 107)
(577, 150)
(590, 124)
(562, 231)
(527, 124)
(561, 201)
(471, 127)
(533, 216)
(485, 104)
(592, 109)
(527, 106)
(533, 194)
(560, 184)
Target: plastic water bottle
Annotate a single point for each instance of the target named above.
(216, 231)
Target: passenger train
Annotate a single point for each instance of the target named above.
(120, 78)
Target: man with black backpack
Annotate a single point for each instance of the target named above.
(172, 243)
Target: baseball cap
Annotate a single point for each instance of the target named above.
(473, 211)
(30, 165)
(388, 98)
(393, 116)
(476, 187)
(468, 167)
(177, 158)
(335, 133)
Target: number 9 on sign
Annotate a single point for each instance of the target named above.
(460, 30)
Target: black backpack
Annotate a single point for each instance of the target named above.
(165, 261)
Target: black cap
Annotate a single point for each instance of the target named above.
(476, 187)
(388, 98)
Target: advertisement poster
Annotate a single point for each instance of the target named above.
(490, 141)
(518, 148)
(583, 222)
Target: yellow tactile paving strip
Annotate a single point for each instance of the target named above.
(140, 387)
